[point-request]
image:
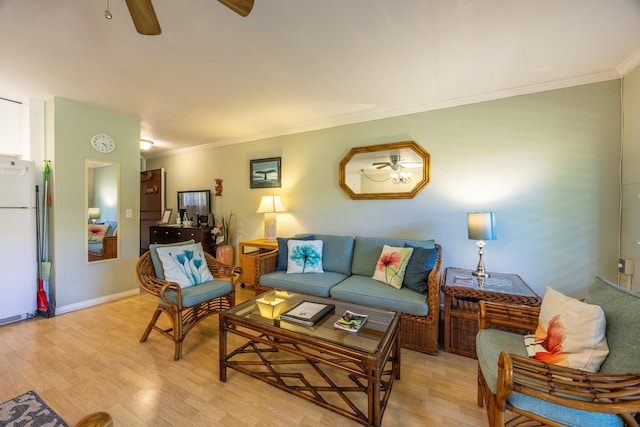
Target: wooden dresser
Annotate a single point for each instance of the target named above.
(167, 234)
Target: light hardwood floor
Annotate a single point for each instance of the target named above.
(91, 360)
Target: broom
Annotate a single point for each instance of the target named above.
(41, 296)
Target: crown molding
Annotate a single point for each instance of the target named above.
(629, 64)
(354, 118)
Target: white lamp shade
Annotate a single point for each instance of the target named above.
(270, 204)
(94, 213)
(481, 226)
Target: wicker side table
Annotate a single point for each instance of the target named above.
(462, 291)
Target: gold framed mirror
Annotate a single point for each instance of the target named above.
(102, 181)
(398, 170)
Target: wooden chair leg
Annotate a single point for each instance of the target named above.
(153, 321)
(178, 335)
(480, 396)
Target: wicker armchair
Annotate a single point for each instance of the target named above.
(544, 394)
(187, 307)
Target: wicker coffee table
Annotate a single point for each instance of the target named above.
(462, 291)
(351, 374)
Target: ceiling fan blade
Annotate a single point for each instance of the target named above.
(241, 7)
(144, 17)
(383, 166)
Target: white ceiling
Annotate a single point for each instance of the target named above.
(214, 78)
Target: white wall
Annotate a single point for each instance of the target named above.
(70, 126)
(546, 164)
(630, 230)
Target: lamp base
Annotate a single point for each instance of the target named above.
(483, 274)
(270, 227)
(480, 268)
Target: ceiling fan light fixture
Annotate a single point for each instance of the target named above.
(145, 144)
(107, 12)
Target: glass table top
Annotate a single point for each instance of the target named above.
(367, 340)
(497, 282)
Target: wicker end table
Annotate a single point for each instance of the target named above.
(462, 291)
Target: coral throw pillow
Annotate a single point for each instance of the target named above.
(96, 232)
(392, 265)
(570, 333)
(305, 256)
(185, 265)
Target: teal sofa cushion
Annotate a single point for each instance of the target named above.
(283, 250)
(200, 293)
(337, 252)
(155, 258)
(113, 226)
(366, 291)
(367, 250)
(422, 261)
(622, 312)
(317, 284)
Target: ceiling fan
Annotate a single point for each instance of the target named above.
(395, 163)
(146, 21)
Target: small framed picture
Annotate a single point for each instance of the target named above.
(166, 216)
(265, 173)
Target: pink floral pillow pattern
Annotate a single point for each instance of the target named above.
(96, 232)
(570, 333)
(392, 265)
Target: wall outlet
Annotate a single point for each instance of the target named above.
(625, 266)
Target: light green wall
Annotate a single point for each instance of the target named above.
(546, 164)
(70, 126)
(630, 230)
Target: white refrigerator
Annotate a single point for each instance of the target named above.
(18, 240)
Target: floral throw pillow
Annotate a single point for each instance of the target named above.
(96, 232)
(570, 333)
(305, 256)
(185, 265)
(392, 265)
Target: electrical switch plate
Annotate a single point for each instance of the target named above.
(128, 213)
(625, 266)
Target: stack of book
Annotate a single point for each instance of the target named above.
(307, 313)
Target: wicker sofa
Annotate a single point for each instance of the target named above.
(349, 263)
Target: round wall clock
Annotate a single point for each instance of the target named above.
(103, 143)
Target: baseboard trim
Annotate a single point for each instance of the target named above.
(96, 301)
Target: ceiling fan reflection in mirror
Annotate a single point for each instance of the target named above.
(146, 22)
(395, 162)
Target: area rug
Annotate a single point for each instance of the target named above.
(28, 410)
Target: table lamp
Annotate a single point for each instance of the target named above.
(94, 214)
(269, 307)
(270, 206)
(481, 227)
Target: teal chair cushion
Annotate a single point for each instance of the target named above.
(155, 258)
(562, 414)
(622, 312)
(489, 344)
(366, 291)
(317, 284)
(197, 294)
